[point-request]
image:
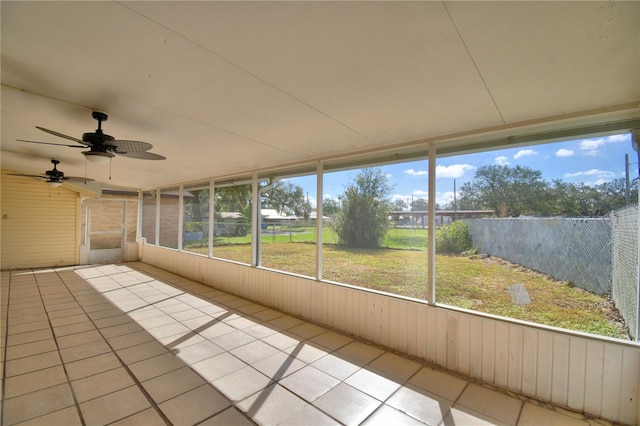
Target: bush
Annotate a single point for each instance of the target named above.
(453, 238)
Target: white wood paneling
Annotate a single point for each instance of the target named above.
(599, 376)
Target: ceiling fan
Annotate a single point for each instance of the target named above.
(55, 177)
(103, 147)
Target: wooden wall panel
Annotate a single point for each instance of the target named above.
(599, 376)
(40, 225)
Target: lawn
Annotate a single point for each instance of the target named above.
(478, 282)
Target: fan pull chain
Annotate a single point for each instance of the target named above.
(110, 163)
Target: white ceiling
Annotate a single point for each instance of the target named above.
(224, 88)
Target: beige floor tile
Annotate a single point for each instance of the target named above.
(267, 315)
(214, 330)
(194, 406)
(439, 383)
(87, 350)
(308, 416)
(196, 352)
(172, 384)
(309, 383)
(148, 417)
(93, 365)
(101, 384)
(141, 352)
(37, 404)
(112, 320)
(259, 331)
(386, 415)
(331, 340)
(335, 366)
(128, 340)
(120, 330)
(254, 351)
(533, 415)
(307, 352)
(29, 337)
(73, 319)
(157, 321)
(34, 381)
(307, 330)
(233, 340)
(187, 315)
(285, 322)
(271, 405)
(218, 366)
(282, 340)
(464, 416)
(278, 366)
(490, 403)
(199, 323)
(78, 339)
(373, 383)
(79, 327)
(359, 352)
(28, 326)
(23, 318)
(108, 311)
(67, 417)
(30, 349)
(32, 363)
(156, 366)
(346, 404)
(420, 404)
(395, 367)
(241, 383)
(229, 417)
(101, 410)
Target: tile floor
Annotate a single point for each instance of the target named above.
(131, 344)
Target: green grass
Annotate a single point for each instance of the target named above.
(477, 284)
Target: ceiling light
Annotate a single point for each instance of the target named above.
(98, 157)
(54, 183)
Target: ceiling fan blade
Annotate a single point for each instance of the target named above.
(60, 135)
(49, 143)
(77, 179)
(126, 146)
(141, 155)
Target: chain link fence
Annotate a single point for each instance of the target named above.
(574, 250)
(624, 229)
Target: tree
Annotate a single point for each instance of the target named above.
(364, 217)
(419, 204)
(330, 207)
(399, 204)
(508, 191)
(285, 197)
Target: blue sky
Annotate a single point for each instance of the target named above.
(591, 161)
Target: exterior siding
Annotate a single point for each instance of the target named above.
(39, 224)
(597, 375)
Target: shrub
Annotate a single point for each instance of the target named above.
(453, 238)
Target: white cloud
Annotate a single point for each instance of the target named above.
(524, 153)
(420, 193)
(564, 153)
(602, 174)
(592, 146)
(502, 161)
(453, 171)
(412, 172)
(443, 198)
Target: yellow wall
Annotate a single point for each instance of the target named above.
(38, 224)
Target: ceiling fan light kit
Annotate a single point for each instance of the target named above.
(54, 177)
(103, 147)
